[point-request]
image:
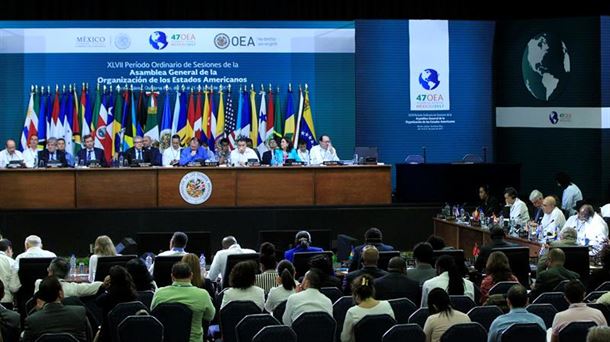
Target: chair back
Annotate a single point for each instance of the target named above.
(250, 325)
(502, 287)
(519, 332)
(420, 316)
(140, 328)
(234, 259)
(301, 261)
(104, 263)
(561, 286)
(177, 318)
(546, 311)
(278, 312)
(315, 326)
(30, 269)
(145, 297)
(56, 337)
(576, 331)
(594, 296)
(462, 303)
(404, 332)
(162, 271)
(484, 315)
(119, 313)
(605, 309)
(332, 293)
(372, 327)
(605, 286)
(415, 159)
(384, 258)
(403, 308)
(472, 332)
(275, 333)
(519, 262)
(557, 299)
(340, 308)
(233, 313)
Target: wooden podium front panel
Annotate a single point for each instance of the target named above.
(283, 186)
(353, 185)
(37, 189)
(116, 188)
(223, 188)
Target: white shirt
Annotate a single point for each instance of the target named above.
(304, 156)
(277, 295)
(310, 300)
(570, 196)
(219, 263)
(170, 154)
(356, 313)
(592, 232)
(552, 223)
(240, 159)
(9, 276)
(319, 155)
(34, 252)
(442, 281)
(75, 289)
(6, 157)
(30, 158)
(519, 212)
(253, 293)
(605, 210)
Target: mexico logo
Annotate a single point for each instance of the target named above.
(195, 187)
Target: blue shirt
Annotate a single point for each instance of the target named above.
(289, 254)
(186, 157)
(516, 315)
(69, 159)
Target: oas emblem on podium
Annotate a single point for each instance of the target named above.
(195, 187)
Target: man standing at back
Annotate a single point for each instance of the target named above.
(219, 263)
(33, 249)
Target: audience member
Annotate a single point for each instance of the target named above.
(496, 270)
(423, 255)
(396, 284)
(60, 268)
(598, 334)
(119, 289)
(497, 235)
(363, 292)
(571, 192)
(199, 280)
(10, 321)
(442, 315)
(517, 301)
(53, 316)
(103, 247)
(307, 299)
(33, 249)
(286, 285)
(517, 208)
(448, 279)
(488, 204)
(598, 276)
(567, 238)
(8, 274)
(182, 291)
(373, 237)
(327, 274)
(370, 257)
(266, 279)
(553, 275)
(219, 263)
(177, 245)
(578, 311)
(302, 243)
(536, 198)
(142, 279)
(241, 280)
(437, 243)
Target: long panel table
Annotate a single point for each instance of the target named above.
(464, 237)
(115, 188)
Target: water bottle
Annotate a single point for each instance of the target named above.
(81, 268)
(355, 160)
(121, 160)
(73, 264)
(148, 261)
(202, 264)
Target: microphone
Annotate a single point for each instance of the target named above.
(424, 153)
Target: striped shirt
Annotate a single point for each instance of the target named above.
(266, 280)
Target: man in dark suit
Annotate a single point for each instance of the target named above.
(370, 257)
(372, 237)
(396, 284)
(497, 241)
(90, 153)
(10, 321)
(52, 154)
(155, 154)
(52, 316)
(137, 152)
(268, 155)
(554, 274)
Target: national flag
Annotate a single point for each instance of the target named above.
(165, 137)
(262, 125)
(62, 114)
(117, 123)
(212, 123)
(96, 110)
(180, 110)
(56, 125)
(190, 123)
(230, 122)
(30, 126)
(82, 114)
(69, 111)
(240, 110)
(289, 126)
(199, 120)
(101, 135)
(220, 124)
(245, 115)
(278, 128)
(76, 134)
(295, 138)
(42, 116)
(254, 130)
(110, 108)
(176, 115)
(307, 131)
(270, 116)
(151, 128)
(205, 121)
(129, 119)
(141, 113)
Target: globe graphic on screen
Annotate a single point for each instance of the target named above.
(158, 40)
(545, 66)
(429, 79)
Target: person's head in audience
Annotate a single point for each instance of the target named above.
(6, 246)
(140, 275)
(312, 279)
(423, 253)
(436, 242)
(574, 291)
(120, 284)
(181, 272)
(243, 275)
(302, 145)
(517, 297)
(363, 288)
(228, 241)
(193, 261)
(33, 241)
(598, 334)
(373, 235)
(302, 239)
(585, 212)
(498, 267)
(548, 204)
(179, 240)
(50, 291)
(604, 255)
(563, 179)
(322, 263)
(438, 302)
(61, 144)
(496, 233)
(397, 265)
(286, 272)
(267, 256)
(536, 198)
(104, 246)
(446, 263)
(370, 256)
(556, 258)
(568, 233)
(510, 195)
(59, 267)
(484, 192)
